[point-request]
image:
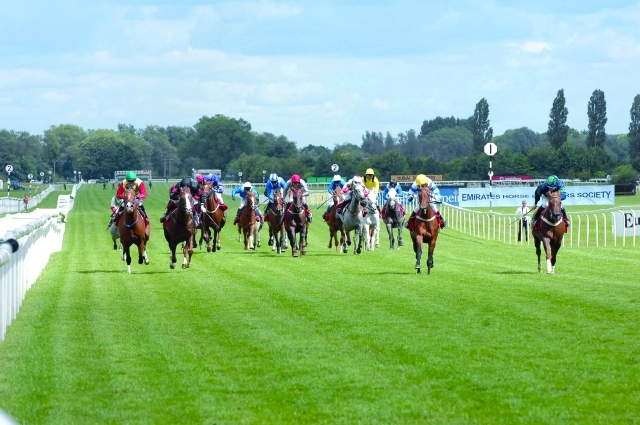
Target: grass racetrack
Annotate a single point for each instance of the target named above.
(253, 337)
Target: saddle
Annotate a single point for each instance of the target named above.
(536, 224)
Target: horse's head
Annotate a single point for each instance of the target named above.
(206, 188)
(555, 205)
(424, 198)
(358, 194)
(278, 201)
(129, 200)
(186, 201)
(252, 203)
(337, 195)
(297, 198)
(392, 199)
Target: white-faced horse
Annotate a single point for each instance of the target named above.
(393, 217)
(352, 219)
(372, 222)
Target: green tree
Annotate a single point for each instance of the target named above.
(624, 174)
(373, 143)
(390, 163)
(163, 152)
(59, 144)
(597, 113)
(482, 132)
(558, 128)
(634, 133)
(519, 140)
(447, 143)
(218, 141)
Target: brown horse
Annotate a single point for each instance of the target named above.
(549, 231)
(213, 217)
(333, 221)
(295, 221)
(275, 217)
(425, 228)
(179, 227)
(133, 229)
(247, 222)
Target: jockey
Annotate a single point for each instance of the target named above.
(242, 191)
(370, 181)
(274, 185)
(115, 205)
(552, 183)
(393, 184)
(295, 182)
(131, 181)
(218, 190)
(355, 181)
(174, 196)
(200, 180)
(337, 182)
(422, 180)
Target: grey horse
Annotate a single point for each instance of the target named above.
(352, 219)
(393, 217)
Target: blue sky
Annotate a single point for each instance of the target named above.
(318, 72)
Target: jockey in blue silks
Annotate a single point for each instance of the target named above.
(550, 184)
(422, 180)
(242, 191)
(392, 184)
(217, 188)
(274, 184)
(337, 182)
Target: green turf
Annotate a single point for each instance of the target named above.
(245, 337)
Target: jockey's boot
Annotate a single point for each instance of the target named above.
(444, 223)
(196, 219)
(406, 225)
(535, 217)
(564, 214)
(235, 220)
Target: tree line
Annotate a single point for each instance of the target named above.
(452, 147)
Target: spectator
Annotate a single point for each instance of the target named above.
(524, 220)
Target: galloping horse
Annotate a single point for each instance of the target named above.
(275, 217)
(425, 229)
(247, 222)
(372, 222)
(352, 219)
(115, 235)
(393, 217)
(335, 225)
(549, 231)
(133, 229)
(295, 221)
(179, 228)
(212, 218)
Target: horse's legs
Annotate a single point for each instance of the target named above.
(188, 252)
(417, 247)
(359, 232)
(239, 231)
(303, 240)
(547, 248)
(291, 233)
(172, 256)
(432, 247)
(126, 255)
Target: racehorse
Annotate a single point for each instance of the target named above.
(248, 224)
(425, 229)
(550, 230)
(352, 219)
(275, 218)
(334, 223)
(295, 221)
(212, 218)
(372, 222)
(133, 229)
(179, 227)
(115, 235)
(393, 217)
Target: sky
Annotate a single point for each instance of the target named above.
(317, 72)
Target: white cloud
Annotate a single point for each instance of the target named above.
(381, 105)
(55, 97)
(531, 46)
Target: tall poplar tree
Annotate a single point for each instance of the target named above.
(634, 133)
(482, 132)
(558, 128)
(597, 113)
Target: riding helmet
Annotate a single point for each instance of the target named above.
(337, 178)
(357, 180)
(200, 178)
(369, 171)
(295, 178)
(185, 182)
(273, 177)
(552, 181)
(421, 179)
(247, 185)
(393, 183)
(131, 176)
